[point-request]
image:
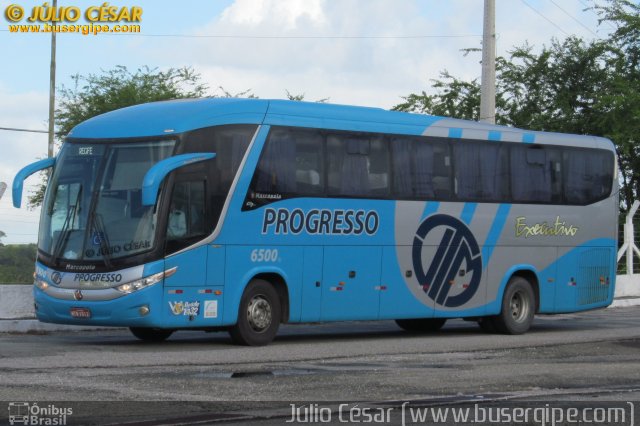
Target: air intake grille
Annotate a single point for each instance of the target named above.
(594, 275)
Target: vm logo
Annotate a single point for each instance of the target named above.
(456, 247)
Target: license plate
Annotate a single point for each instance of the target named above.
(80, 312)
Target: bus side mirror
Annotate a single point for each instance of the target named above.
(16, 190)
(157, 173)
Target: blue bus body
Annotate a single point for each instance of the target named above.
(332, 258)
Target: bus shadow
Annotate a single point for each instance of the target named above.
(327, 332)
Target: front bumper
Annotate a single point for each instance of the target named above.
(120, 312)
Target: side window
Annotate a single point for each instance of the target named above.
(588, 175)
(421, 168)
(230, 143)
(186, 222)
(535, 174)
(480, 170)
(357, 166)
(291, 164)
(557, 174)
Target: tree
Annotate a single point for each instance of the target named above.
(454, 98)
(96, 94)
(301, 96)
(244, 94)
(569, 86)
(622, 100)
(2, 235)
(17, 263)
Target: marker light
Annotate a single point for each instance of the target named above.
(136, 285)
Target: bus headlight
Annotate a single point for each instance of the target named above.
(145, 282)
(41, 284)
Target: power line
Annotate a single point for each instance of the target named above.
(277, 37)
(14, 129)
(544, 17)
(583, 3)
(574, 18)
(590, 9)
(250, 37)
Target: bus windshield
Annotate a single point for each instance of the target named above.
(93, 209)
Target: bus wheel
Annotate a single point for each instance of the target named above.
(518, 307)
(151, 334)
(259, 315)
(421, 324)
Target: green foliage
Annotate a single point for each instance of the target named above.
(118, 88)
(569, 86)
(294, 97)
(244, 94)
(453, 98)
(300, 97)
(17, 263)
(97, 94)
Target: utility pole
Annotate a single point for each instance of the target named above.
(52, 86)
(488, 88)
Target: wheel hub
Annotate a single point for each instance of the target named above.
(519, 307)
(259, 313)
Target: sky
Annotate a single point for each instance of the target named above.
(358, 52)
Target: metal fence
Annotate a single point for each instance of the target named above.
(628, 253)
(622, 262)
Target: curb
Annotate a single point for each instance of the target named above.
(625, 302)
(29, 325)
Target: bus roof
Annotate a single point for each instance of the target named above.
(178, 116)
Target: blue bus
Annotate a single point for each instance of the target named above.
(242, 214)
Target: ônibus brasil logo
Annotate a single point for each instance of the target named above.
(457, 246)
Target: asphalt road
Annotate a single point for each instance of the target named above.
(200, 378)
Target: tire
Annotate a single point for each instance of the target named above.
(259, 315)
(421, 325)
(518, 307)
(150, 334)
(487, 325)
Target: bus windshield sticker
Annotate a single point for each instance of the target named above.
(185, 308)
(211, 309)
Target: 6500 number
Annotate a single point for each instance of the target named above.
(264, 255)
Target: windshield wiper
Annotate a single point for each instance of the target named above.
(98, 225)
(65, 231)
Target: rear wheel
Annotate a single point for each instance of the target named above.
(421, 325)
(259, 315)
(151, 334)
(518, 307)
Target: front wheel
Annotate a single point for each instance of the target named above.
(518, 307)
(151, 334)
(421, 325)
(258, 316)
